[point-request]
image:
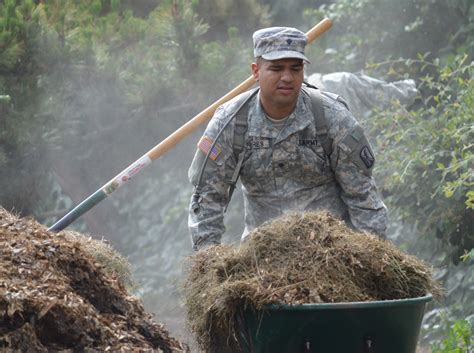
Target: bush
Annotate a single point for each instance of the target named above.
(426, 161)
(458, 339)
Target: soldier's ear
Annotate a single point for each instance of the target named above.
(255, 71)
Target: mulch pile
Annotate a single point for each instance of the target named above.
(55, 295)
(300, 258)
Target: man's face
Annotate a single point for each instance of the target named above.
(280, 82)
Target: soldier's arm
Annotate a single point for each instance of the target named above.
(353, 161)
(206, 211)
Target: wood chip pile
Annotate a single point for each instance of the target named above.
(54, 295)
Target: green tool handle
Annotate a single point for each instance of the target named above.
(79, 210)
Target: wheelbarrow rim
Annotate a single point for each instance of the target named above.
(351, 305)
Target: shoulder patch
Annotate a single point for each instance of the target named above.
(205, 144)
(367, 157)
(358, 149)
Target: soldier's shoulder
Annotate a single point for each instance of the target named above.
(230, 107)
(223, 123)
(337, 113)
(224, 113)
(334, 101)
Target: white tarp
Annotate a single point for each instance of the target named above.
(364, 93)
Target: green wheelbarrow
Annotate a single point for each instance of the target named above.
(389, 326)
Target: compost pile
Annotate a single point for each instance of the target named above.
(299, 258)
(55, 295)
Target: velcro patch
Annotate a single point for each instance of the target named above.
(357, 134)
(205, 144)
(367, 157)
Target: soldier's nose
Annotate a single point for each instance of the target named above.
(286, 77)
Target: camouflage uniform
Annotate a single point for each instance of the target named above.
(285, 168)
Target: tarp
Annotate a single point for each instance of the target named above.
(364, 93)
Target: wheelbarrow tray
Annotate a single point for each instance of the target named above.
(389, 326)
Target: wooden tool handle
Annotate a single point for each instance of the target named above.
(319, 29)
(165, 145)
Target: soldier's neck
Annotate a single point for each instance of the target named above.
(277, 112)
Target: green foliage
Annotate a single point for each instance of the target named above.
(245, 15)
(458, 339)
(426, 160)
(80, 66)
(468, 256)
(21, 126)
(371, 31)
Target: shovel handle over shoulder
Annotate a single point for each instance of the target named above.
(167, 144)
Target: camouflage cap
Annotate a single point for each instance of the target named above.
(275, 43)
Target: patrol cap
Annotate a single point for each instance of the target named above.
(275, 43)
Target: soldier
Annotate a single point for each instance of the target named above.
(294, 147)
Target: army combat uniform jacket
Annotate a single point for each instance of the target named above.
(285, 168)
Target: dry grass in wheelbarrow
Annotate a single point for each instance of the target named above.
(299, 258)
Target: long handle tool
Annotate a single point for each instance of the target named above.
(167, 144)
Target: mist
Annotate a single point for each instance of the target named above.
(91, 95)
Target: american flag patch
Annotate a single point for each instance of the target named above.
(205, 145)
